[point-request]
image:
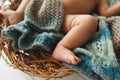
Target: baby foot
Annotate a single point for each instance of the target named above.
(12, 16)
(63, 54)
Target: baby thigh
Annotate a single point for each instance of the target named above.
(77, 29)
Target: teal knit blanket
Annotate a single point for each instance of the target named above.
(40, 30)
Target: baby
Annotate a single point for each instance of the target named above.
(14, 16)
(78, 25)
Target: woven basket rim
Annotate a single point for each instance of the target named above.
(33, 62)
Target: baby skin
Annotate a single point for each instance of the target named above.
(14, 16)
(77, 32)
(78, 25)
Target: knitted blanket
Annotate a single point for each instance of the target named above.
(40, 30)
(98, 57)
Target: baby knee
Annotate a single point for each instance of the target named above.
(91, 21)
(85, 19)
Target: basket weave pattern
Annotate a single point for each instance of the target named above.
(33, 62)
(38, 62)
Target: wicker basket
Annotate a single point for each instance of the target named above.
(33, 62)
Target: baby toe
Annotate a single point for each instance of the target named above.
(75, 60)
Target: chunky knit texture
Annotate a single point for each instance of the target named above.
(43, 19)
(40, 29)
(114, 25)
(47, 15)
(112, 2)
(98, 57)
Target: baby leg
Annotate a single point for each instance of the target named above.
(12, 16)
(77, 29)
